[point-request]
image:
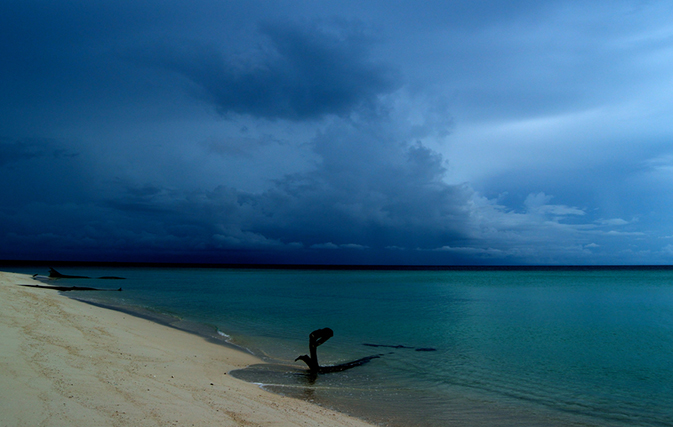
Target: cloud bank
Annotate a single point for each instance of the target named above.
(299, 73)
(302, 133)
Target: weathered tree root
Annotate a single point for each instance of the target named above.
(318, 337)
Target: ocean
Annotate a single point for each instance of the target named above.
(464, 347)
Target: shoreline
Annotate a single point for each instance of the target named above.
(68, 362)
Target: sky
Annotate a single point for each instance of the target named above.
(447, 133)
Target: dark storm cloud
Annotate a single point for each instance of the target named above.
(372, 189)
(301, 72)
(17, 150)
(12, 151)
(337, 142)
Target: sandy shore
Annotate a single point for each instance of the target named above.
(67, 363)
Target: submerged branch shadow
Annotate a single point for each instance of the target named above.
(317, 338)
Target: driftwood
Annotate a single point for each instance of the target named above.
(53, 274)
(56, 275)
(317, 338)
(401, 346)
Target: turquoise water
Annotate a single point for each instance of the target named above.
(550, 347)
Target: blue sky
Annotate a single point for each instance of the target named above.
(470, 132)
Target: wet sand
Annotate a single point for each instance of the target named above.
(67, 363)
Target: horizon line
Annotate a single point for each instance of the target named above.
(292, 266)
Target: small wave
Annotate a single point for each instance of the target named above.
(222, 334)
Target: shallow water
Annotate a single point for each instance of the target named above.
(548, 347)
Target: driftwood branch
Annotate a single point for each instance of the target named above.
(317, 338)
(56, 275)
(53, 274)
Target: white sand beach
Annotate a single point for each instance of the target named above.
(67, 363)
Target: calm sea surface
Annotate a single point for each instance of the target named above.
(467, 348)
